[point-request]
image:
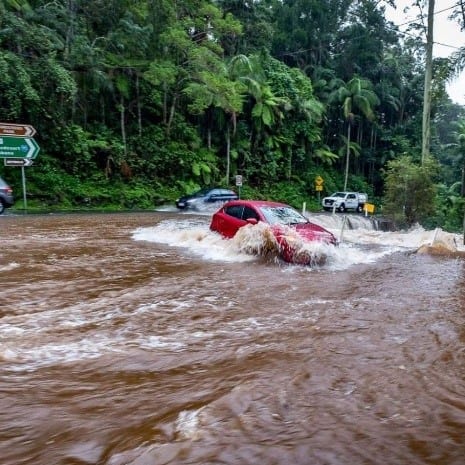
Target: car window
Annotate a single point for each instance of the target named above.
(283, 215)
(249, 213)
(200, 193)
(235, 211)
(227, 193)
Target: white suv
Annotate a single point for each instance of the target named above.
(342, 201)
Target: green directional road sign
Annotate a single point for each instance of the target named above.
(18, 147)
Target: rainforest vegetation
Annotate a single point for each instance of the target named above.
(138, 101)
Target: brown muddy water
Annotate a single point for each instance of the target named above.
(140, 339)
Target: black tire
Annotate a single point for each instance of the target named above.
(2, 207)
(341, 208)
(360, 209)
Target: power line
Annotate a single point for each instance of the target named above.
(397, 31)
(413, 21)
(435, 13)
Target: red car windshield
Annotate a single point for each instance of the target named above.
(282, 215)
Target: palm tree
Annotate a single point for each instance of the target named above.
(266, 107)
(459, 147)
(355, 96)
(217, 88)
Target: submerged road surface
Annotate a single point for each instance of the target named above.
(140, 339)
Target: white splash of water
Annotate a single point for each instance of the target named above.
(9, 266)
(196, 239)
(362, 245)
(187, 424)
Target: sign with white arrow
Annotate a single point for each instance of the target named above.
(16, 130)
(18, 147)
(18, 161)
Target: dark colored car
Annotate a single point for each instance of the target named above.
(285, 223)
(6, 196)
(199, 199)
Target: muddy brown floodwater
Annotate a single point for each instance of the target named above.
(117, 350)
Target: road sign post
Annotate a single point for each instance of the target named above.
(18, 148)
(23, 176)
(319, 186)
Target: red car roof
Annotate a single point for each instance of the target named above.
(257, 203)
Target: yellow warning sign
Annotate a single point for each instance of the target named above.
(319, 180)
(369, 208)
(318, 188)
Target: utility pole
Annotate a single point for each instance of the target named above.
(426, 126)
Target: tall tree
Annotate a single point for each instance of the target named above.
(426, 124)
(362, 41)
(410, 190)
(215, 88)
(356, 99)
(459, 148)
(306, 31)
(256, 18)
(190, 27)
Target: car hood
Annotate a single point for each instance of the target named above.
(308, 232)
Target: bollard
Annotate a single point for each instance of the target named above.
(436, 231)
(342, 227)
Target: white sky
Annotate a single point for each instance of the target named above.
(447, 35)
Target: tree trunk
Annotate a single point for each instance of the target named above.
(464, 226)
(347, 157)
(228, 153)
(123, 125)
(289, 170)
(462, 190)
(69, 37)
(426, 126)
(171, 117)
(462, 186)
(165, 104)
(103, 112)
(139, 108)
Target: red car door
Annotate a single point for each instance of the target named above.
(227, 224)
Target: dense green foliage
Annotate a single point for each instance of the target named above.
(138, 101)
(410, 190)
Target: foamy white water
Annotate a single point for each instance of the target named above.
(360, 245)
(196, 239)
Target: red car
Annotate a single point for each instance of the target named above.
(285, 222)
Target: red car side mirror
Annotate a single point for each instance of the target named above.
(252, 220)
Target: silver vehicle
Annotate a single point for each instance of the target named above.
(198, 200)
(6, 196)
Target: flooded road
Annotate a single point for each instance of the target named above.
(145, 339)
